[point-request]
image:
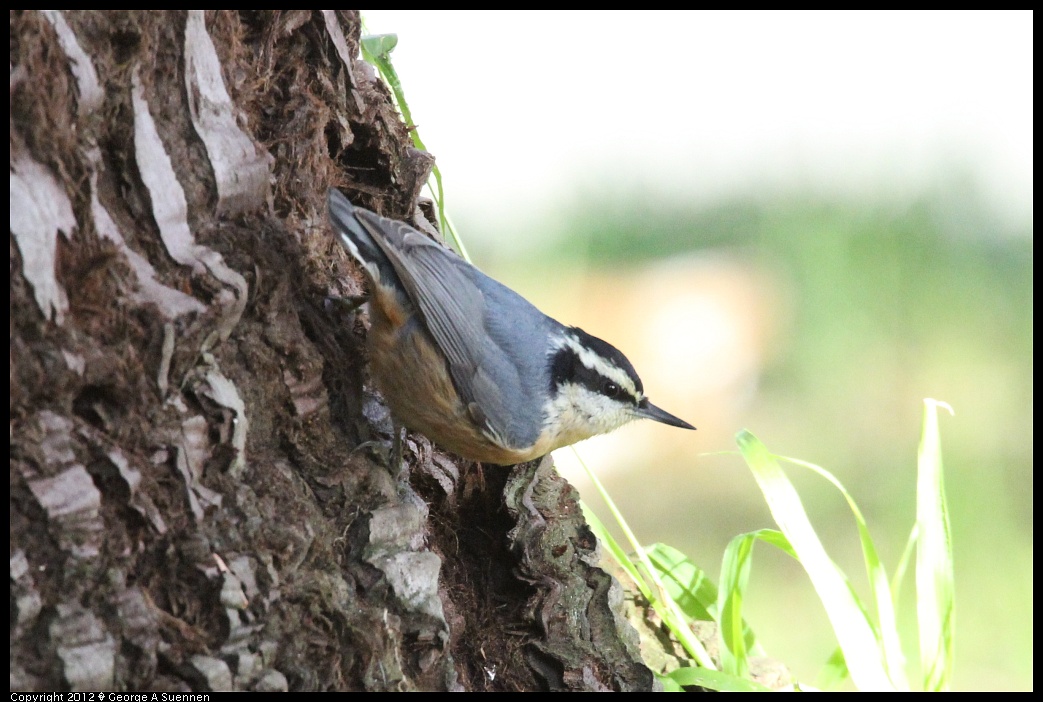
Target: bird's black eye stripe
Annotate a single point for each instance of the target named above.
(567, 368)
(608, 352)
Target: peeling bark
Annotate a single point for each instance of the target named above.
(199, 491)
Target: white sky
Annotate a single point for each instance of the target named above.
(524, 109)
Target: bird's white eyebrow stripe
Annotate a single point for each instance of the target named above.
(599, 365)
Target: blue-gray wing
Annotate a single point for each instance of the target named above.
(481, 326)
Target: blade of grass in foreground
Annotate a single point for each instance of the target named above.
(736, 637)
(689, 586)
(935, 602)
(666, 607)
(692, 592)
(616, 551)
(846, 613)
(883, 595)
(714, 680)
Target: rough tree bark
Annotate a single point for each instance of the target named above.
(199, 491)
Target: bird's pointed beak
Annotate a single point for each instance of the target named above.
(646, 410)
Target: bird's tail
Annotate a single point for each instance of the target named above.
(356, 236)
(351, 233)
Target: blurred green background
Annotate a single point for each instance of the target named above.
(820, 325)
(799, 223)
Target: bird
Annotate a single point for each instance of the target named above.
(470, 363)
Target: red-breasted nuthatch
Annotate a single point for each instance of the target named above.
(472, 364)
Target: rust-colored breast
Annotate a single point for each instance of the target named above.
(414, 378)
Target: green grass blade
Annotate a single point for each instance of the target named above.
(686, 583)
(735, 573)
(737, 640)
(376, 50)
(935, 596)
(834, 673)
(846, 612)
(883, 596)
(668, 610)
(714, 680)
(668, 684)
(616, 550)
(903, 563)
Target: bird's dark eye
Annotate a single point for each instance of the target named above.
(610, 389)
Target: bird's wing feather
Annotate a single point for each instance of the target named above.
(453, 308)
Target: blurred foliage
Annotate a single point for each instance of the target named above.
(872, 270)
(934, 292)
(890, 303)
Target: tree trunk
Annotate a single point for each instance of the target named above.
(200, 497)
